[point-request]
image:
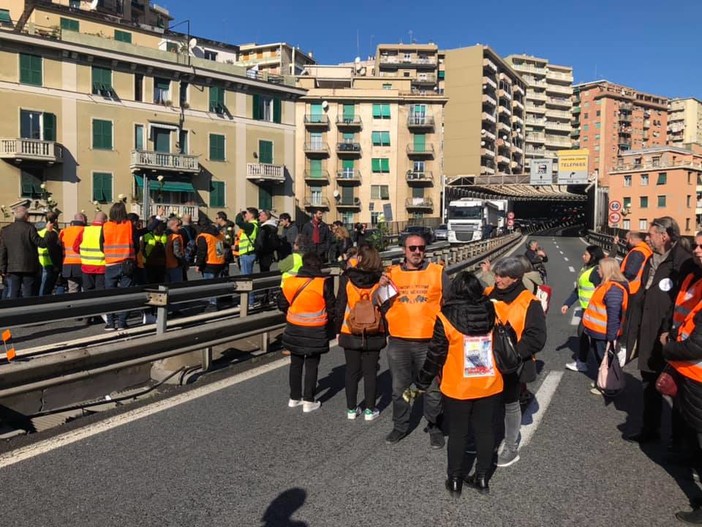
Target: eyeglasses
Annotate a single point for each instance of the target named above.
(416, 248)
(696, 246)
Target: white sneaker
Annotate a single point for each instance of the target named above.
(353, 414)
(371, 414)
(577, 366)
(308, 406)
(292, 403)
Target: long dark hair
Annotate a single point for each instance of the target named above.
(596, 254)
(118, 212)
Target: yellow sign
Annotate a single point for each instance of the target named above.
(572, 167)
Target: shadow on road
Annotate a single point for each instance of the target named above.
(332, 384)
(279, 512)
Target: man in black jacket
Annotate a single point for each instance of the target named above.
(19, 258)
(318, 233)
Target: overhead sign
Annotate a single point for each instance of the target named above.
(541, 172)
(615, 206)
(614, 218)
(572, 167)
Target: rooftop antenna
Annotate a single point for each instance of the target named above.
(358, 43)
(411, 40)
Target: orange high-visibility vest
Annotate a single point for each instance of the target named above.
(353, 295)
(419, 293)
(595, 316)
(118, 242)
(352, 262)
(687, 305)
(67, 237)
(171, 260)
(515, 312)
(643, 248)
(462, 378)
(308, 308)
(215, 248)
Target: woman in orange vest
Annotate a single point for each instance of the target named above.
(602, 320)
(684, 353)
(362, 352)
(117, 244)
(460, 352)
(308, 303)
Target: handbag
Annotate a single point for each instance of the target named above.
(610, 376)
(667, 382)
(507, 358)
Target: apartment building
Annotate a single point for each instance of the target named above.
(549, 96)
(610, 119)
(659, 181)
(685, 121)
(277, 58)
(99, 106)
(485, 114)
(421, 63)
(369, 142)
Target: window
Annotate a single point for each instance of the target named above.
(442, 74)
(37, 125)
(381, 138)
(347, 168)
(316, 197)
(626, 203)
(643, 225)
(5, 19)
(380, 192)
(688, 201)
(349, 113)
(183, 94)
(68, 24)
(217, 194)
(644, 180)
(102, 82)
(586, 127)
(217, 99)
(380, 165)
(30, 69)
(374, 217)
(597, 113)
(662, 178)
(172, 47)
(387, 86)
(661, 201)
(123, 36)
(265, 199)
(266, 108)
(31, 185)
(138, 87)
(217, 147)
(265, 152)
(102, 187)
(585, 115)
(162, 88)
(139, 137)
(597, 125)
(627, 181)
(687, 224)
(210, 55)
(183, 141)
(102, 134)
(347, 217)
(626, 225)
(643, 202)
(381, 111)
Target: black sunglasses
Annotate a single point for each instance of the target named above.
(696, 246)
(415, 248)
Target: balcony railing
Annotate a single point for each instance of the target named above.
(487, 152)
(504, 109)
(265, 172)
(504, 93)
(420, 150)
(31, 150)
(345, 121)
(487, 81)
(171, 208)
(490, 64)
(487, 170)
(352, 202)
(552, 125)
(419, 203)
(557, 75)
(316, 148)
(315, 120)
(678, 163)
(317, 177)
(348, 176)
(424, 78)
(414, 177)
(558, 101)
(148, 160)
(488, 134)
(489, 100)
(488, 117)
(348, 148)
(413, 60)
(312, 202)
(420, 121)
(555, 88)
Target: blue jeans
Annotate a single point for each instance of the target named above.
(115, 278)
(49, 275)
(247, 263)
(20, 281)
(211, 276)
(173, 276)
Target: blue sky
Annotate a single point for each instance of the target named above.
(640, 44)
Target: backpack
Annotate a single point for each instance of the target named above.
(507, 358)
(267, 241)
(364, 317)
(190, 250)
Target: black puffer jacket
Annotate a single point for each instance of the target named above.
(689, 399)
(304, 340)
(361, 280)
(468, 318)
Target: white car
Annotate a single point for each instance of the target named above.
(441, 232)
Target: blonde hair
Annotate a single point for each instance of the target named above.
(609, 270)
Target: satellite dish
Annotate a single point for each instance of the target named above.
(336, 193)
(192, 43)
(357, 60)
(362, 70)
(325, 105)
(94, 4)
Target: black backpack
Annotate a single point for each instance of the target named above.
(504, 346)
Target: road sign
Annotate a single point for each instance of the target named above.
(510, 215)
(615, 217)
(615, 206)
(510, 222)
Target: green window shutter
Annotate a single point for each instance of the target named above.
(375, 164)
(265, 152)
(349, 112)
(256, 107)
(139, 137)
(30, 69)
(349, 137)
(420, 141)
(68, 24)
(102, 134)
(49, 126)
(216, 98)
(442, 74)
(384, 192)
(217, 147)
(217, 194)
(102, 187)
(265, 199)
(347, 164)
(316, 113)
(27, 183)
(5, 17)
(385, 111)
(277, 110)
(417, 192)
(376, 138)
(377, 112)
(315, 167)
(385, 165)
(123, 36)
(102, 80)
(347, 194)
(385, 138)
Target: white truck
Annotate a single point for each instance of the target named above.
(468, 218)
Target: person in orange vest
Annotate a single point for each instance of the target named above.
(176, 266)
(460, 352)
(117, 244)
(71, 259)
(602, 320)
(410, 317)
(362, 352)
(210, 258)
(308, 303)
(523, 311)
(682, 348)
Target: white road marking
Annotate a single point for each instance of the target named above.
(577, 315)
(565, 258)
(571, 269)
(537, 409)
(560, 252)
(42, 447)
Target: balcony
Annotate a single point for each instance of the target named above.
(559, 90)
(316, 178)
(348, 203)
(265, 173)
(566, 116)
(316, 121)
(316, 149)
(420, 151)
(558, 102)
(489, 100)
(419, 178)
(504, 110)
(348, 176)
(486, 152)
(316, 202)
(536, 121)
(347, 122)
(34, 150)
(504, 93)
(489, 64)
(518, 104)
(502, 160)
(424, 79)
(348, 149)
(487, 81)
(487, 170)
(625, 118)
(489, 135)
(171, 208)
(537, 96)
(505, 78)
(552, 125)
(517, 89)
(537, 109)
(517, 119)
(488, 117)
(558, 141)
(559, 76)
(504, 126)
(418, 121)
(423, 204)
(576, 109)
(415, 61)
(148, 160)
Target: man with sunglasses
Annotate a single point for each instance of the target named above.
(410, 317)
(662, 276)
